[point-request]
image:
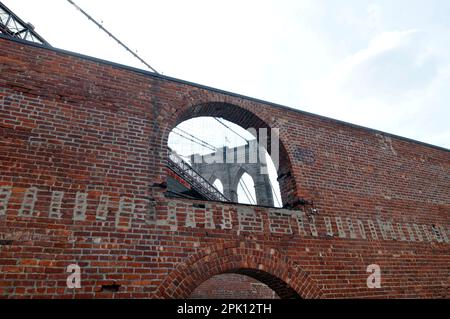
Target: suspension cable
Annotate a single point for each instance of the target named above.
(232, 130)
(192, 140)
(245, 193)
(275, 193)
(196, 138)
(245, 188)
(112, 36)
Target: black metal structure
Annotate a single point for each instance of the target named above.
(197, 182)
(12, 26)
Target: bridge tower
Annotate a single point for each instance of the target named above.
(229, 164)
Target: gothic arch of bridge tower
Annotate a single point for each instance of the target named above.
(230, 166)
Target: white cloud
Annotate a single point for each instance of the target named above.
(380, 44)
(393, 85)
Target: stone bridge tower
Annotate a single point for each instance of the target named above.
(229, 164)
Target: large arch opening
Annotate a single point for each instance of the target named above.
(277, 188)
(267, 266)
(210, 152)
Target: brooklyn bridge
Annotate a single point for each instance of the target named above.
(155, 187)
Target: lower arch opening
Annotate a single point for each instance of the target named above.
(244, 284)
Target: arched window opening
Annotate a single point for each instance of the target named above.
(208, 157)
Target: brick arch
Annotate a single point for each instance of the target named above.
(240, 112)
(268, 266)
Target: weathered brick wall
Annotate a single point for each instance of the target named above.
(82, 181)
(233, 286)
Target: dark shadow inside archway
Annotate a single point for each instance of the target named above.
(244, 284)
(282, 289)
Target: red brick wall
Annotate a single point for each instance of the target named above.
(82, 173)
(233, 286)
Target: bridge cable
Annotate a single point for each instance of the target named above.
(232, 130)
(192, 140)
(201, 143)
(205, 144)
(245, 188)
(275, 193)
(245, 193)
(112, 36)
(196, 138)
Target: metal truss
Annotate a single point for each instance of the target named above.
(12, 26)
(201, 185)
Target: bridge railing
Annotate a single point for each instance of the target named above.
(198, 182)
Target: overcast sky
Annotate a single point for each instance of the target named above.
(380, 64)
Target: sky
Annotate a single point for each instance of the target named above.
(379, 64)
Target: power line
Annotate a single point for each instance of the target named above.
(112, 36)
